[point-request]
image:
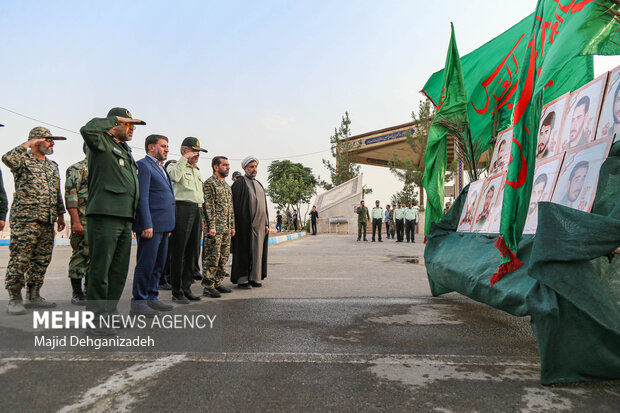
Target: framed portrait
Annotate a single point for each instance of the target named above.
(609, 121)
(550, 127)
(545, 177)
(467, 214)
(487, 204)
(496, 211)
(576, 185)
(501, 152)
(582, 114)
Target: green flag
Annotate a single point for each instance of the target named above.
(491, 73)
(558, 34)
(453, 107)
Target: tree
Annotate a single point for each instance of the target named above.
(290, 184)
(405, 169)
(343, 150)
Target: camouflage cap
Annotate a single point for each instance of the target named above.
(41, 132)
(123, 113)
(236, 174)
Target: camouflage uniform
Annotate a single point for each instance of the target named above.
(76, 196)
(219, 215)
(36, 206)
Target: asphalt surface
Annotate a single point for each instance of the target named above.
(337, 326)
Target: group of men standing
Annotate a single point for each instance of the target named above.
(401, 220)
(109, 196)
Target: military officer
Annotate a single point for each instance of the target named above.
(399, 217)
(236, 175)
(112, 202)
(377, 219)
(76, 197)
(362, 218)
(219, 228)
(36, 206)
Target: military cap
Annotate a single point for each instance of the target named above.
(193, 143)
(377, 201)
(123, 113)
(236, 174)
(43, 133)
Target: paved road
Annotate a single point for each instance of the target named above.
(338, 326)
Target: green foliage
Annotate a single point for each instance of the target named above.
(290, 184)
(342, 168)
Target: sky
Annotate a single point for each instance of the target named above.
(265, 78)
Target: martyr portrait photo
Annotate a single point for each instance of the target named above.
(487, 203)
(551, 121)
(545, 176)
(501, 152)
(609, 121)
(576, 186)
(467, 214)
(582, 114)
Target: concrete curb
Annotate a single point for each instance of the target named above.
(288, 237)
(4, 242)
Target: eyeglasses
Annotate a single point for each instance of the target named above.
(49, 140)
(129, 125)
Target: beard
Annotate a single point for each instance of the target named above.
(46, 151)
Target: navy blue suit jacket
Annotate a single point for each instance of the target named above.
(156, 205)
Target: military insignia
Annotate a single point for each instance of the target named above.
(197, 143)
(121, 162)
(127, 113)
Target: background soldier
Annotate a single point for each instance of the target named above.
(377, 219)
(219, 228)
(76, 197)
(399, 218)
(362, 218)
(36, 206)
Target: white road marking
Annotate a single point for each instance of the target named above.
(316, 279)
(6, 366)
(345, 358)
(114, 391)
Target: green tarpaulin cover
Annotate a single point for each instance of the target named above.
(569, 283)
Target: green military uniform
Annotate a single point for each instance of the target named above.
(36, 206)
(362, 217)
(219, 215)
(112, 202)
(76, 196)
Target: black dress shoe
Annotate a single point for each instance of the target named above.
(255, 284)
(159, 306)
(180, 299)
(146, 311)
(211, 292)
(223, 289)
(380, 241)
(245, 286)
(190, 296)
(165, 286)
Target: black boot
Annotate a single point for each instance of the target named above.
(78, 297)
